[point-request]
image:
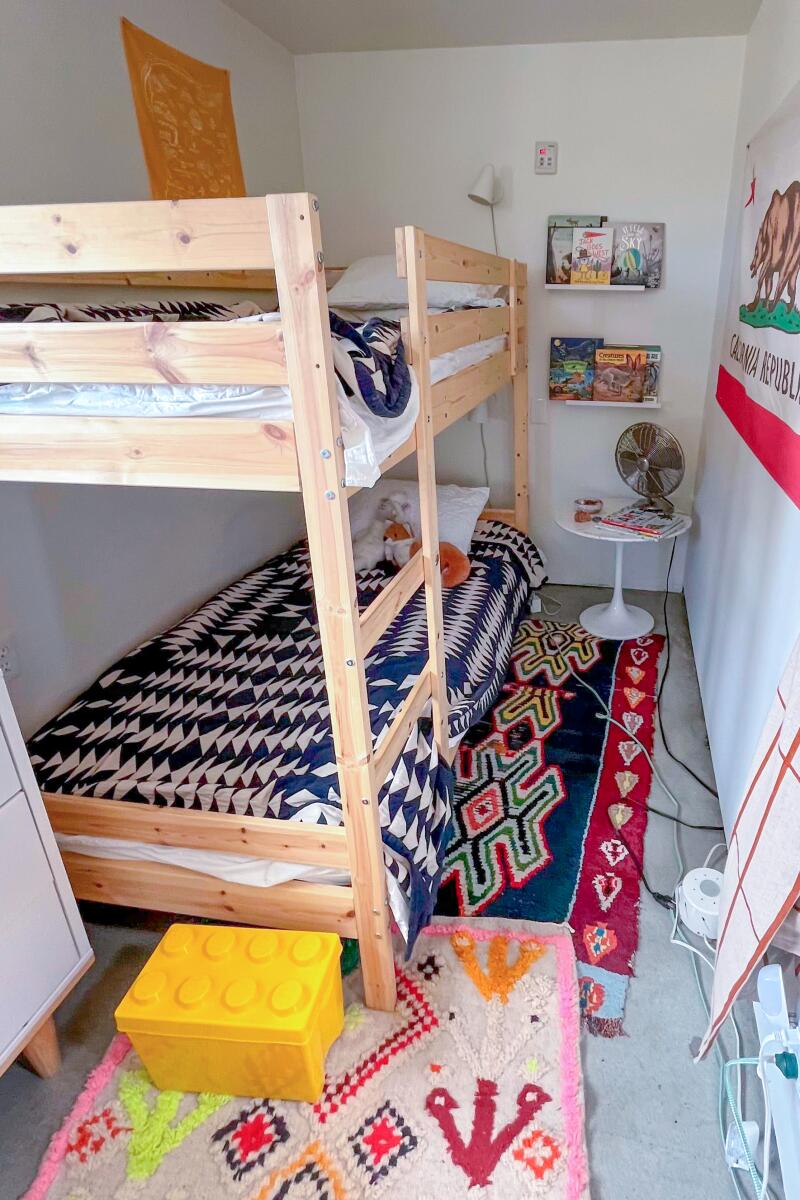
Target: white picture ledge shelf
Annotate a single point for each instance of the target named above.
(640, 404)
(596, 287)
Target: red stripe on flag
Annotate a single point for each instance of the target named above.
(775, 445)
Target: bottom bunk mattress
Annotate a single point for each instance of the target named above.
(228, 712)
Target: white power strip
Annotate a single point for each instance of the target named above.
(698, 901)
(734, 1149)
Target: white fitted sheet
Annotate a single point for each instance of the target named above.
(368, 439)
(231, 868)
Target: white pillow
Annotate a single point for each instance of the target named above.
(373, 283)
(459, 508)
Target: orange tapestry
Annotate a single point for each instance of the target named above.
(186, 123)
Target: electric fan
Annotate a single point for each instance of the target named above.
(650, 460)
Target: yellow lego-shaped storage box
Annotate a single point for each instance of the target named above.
(244, 1012)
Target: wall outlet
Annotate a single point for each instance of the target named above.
(9, 658)
(546, 158)
(541, 411)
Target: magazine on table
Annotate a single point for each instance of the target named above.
(644, 518)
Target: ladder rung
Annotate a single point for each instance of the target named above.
(385, 607)
(404, 721)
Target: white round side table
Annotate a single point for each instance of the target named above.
(616, 620)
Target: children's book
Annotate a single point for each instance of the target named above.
(572, 367)
(643, 517)
(652, 374)
(559, 254)
(619, 373)
(559, 243)
(592, 254)
(576, 220)
(638, 254)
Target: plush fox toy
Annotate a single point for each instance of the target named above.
(401, 545)
(391, 537)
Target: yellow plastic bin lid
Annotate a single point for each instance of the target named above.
(228, 983)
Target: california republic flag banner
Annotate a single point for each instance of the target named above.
(761, 884)
(758, 386)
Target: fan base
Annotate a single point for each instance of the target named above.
(617, 621)
(661, 502)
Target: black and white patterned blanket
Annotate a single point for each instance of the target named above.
(369, 358)
(228, 711)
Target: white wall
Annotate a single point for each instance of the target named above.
(87, 572)
(743, 577)
(645, 130)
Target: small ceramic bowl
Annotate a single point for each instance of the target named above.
(587, 508)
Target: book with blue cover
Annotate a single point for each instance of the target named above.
(572, 367)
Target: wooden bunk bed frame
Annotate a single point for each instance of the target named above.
(256, 243)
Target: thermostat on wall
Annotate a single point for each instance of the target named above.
(546, 158)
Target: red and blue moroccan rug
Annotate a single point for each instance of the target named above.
(549, 802)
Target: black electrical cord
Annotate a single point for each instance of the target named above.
(712, 791)
(661, 898)
(606, 716)
(659, 812)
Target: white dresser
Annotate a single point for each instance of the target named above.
(43, 945)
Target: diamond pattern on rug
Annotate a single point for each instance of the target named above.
(248, 1140)
(380, 1142)
(311, 1176)
(548, 799)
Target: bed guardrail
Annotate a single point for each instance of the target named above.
(456, 396)
(133, 238)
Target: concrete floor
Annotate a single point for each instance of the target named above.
(651, 1113)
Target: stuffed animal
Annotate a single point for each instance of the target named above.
(453, 563)
(390, 536)
(397, 543)
(368, 546)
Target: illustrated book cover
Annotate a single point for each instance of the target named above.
(638, 254)
(592, 255)
(559, 243)
(572, 367)
(652, 374)
(619, 374)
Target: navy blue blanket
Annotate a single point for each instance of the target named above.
(228, 711)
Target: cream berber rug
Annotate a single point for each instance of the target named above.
(472, 1087)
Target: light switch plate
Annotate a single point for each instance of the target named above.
(546, 158)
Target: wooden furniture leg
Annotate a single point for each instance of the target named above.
(42, 1053)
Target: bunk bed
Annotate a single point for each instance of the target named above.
(257, 243)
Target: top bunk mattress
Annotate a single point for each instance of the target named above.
(228, 711)
(377, 391)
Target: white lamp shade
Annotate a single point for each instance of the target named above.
(485, 189)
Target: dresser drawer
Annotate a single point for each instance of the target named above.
(9, 779)
(38, 949)
(24, 868)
